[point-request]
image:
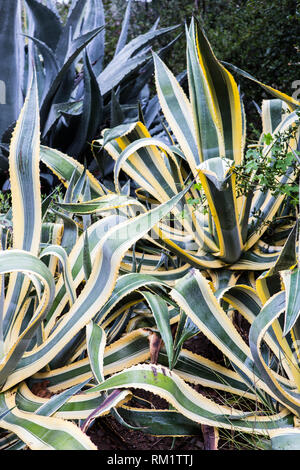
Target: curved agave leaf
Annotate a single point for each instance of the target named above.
(114, 399)
(63, 406)
(184, 399)
(47, 26)
(26, 197)
(270, 312)
(41, 432)
(124, 286)
(103, 203)
(50, 64)
(21, 261)
(255, 260)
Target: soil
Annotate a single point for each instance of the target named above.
(108, 434)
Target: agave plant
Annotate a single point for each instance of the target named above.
(87, 337)
(55, 278)
(208, 134)
(78, 91)
(220, 227)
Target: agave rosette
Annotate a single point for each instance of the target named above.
(208, 142)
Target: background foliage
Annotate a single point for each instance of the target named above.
(259, 36)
